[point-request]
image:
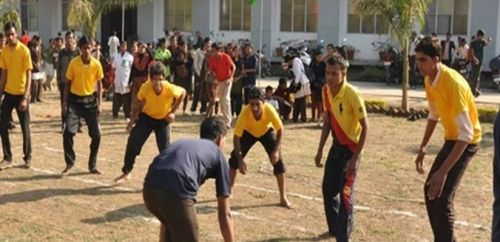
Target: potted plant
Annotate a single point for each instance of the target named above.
(350, 50)
(383, 49)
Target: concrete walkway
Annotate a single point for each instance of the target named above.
(488, 96)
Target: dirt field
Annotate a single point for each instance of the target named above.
(39, 205)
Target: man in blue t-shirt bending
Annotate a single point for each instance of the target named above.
(174, 177)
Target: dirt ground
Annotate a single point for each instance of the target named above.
(39, 205)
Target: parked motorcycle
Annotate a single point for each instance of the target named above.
(393, 68)
(266, 64)
(495, 71)
(461, 67)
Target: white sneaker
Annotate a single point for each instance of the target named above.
(6, 164)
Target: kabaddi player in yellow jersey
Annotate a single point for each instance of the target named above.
(154, 110)
(259, 121)
(452, 103)
(15, 87)
(82, 99)
(345, 117)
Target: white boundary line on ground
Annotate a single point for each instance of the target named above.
(154, 220)
(364, 208)
(298, 195)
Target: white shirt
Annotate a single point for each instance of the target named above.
(413, 45)
(199, 57)
(300, 77)
(113, 44)
(462, 51)
(123, 67)
(446, 51)
(273, 103)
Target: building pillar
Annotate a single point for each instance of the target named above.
(203, 14)
(332, 21)
(270, 26)
(49, 19)
(150, 20)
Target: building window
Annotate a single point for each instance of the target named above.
(299, 15)
(369, 24)
(178, 14)
(447, 16)
(65, 11)
(29, 15)
(235, 15)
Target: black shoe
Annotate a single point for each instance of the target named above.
(95, 172)
(27, 164)
(11, 126)
(66, 170)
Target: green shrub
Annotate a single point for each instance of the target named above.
(487, 115)
(380, 103)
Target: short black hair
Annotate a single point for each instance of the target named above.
(317, 52)
(269, 88)
(162, 41)
(480, 32)
(206, 40)
(212, 128)
(429, 46)
(339, 60)
(217, 46)
(282, 80)
(330, 46)
(156, 68)
(9, 25)
(181, 42)
(254, 93)
(68, 33)
(288, 57)
(84, 40)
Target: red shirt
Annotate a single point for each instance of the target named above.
(221, 66)
(25, 39)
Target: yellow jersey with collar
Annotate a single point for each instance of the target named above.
(345, 110)
(158, 106)
(451, 95)
(84, 77)
(16, 61)
(247, 122)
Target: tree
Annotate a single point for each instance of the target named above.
(86, 14)
(11, 13)
(401, 16)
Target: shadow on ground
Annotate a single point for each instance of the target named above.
(40, 194)
(133, 211)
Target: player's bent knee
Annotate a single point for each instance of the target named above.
(233, 163)
(279, 168)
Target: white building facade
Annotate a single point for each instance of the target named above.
(333, 21)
